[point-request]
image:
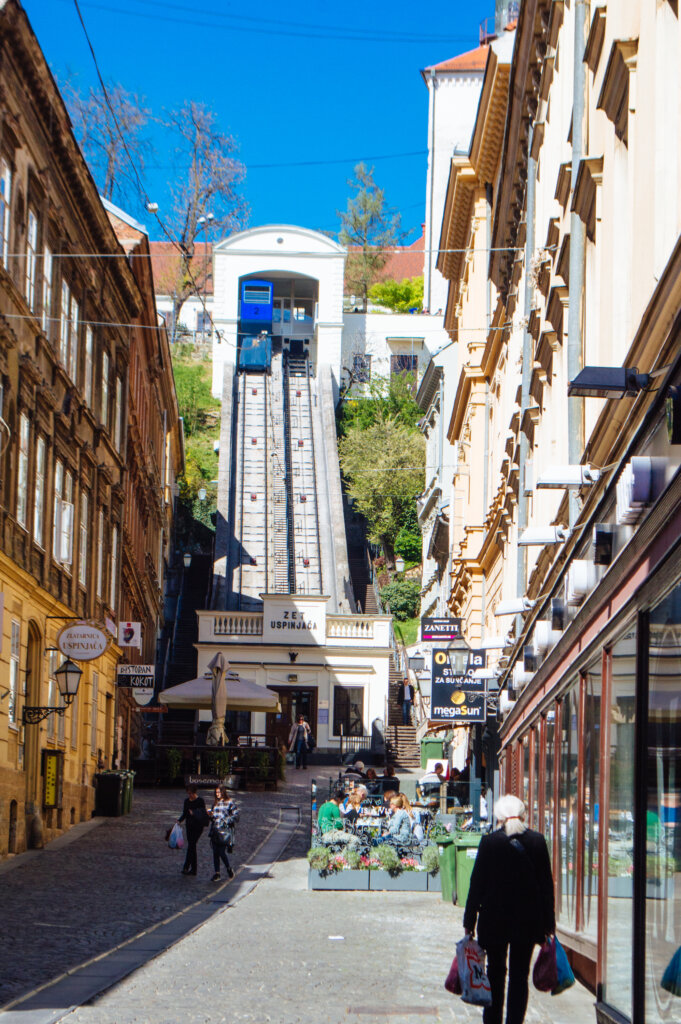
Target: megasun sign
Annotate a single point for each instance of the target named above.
(82, 641)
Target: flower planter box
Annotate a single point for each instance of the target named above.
(352, 879)
(434, 882)
(405, 881)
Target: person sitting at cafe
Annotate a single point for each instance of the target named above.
(374, 785)
(390, 779)
(356, 770)
(351, 808)
(431, 782)
(399, 827)
(330, 825)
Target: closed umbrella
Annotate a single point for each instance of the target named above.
(217, 737)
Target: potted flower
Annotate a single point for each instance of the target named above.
(392, 875)
(430, 859)
(335, 870)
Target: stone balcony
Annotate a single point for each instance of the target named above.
(248, 627)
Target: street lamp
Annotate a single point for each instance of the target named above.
(187, 559)
(68, 677)
(399, 564)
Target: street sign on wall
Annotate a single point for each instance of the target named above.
(440, 629)
(82, 641)
(455, 696)
(139, 679)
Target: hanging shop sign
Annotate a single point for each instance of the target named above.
(130, 634)
(139, 679)
(440, 629)
(82, 641)
(457, 696)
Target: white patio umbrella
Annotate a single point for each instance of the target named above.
(216, 734)
(242, 694)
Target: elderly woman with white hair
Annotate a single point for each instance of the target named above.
(511, 900)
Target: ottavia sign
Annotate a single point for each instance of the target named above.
(83, 641)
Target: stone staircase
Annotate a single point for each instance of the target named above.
(405, 751)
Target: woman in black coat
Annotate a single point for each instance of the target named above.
(511, 900)
(196, 816)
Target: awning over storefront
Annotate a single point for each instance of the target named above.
(242, 694)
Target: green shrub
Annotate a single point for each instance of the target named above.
(430, 858)
(387, 855)
(353, 859)
(318, 859)
(174, 757)
(408, 544)
(403, 596)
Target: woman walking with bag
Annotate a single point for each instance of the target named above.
(511, 899)
(298, 741)
(225, 815)
(196, 816)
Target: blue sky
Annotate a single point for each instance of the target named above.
(292, 83)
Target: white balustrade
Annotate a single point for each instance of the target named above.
(349, 627)
(238, 624)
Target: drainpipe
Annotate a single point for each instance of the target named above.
(527, 362)
(577, 250)
(429, 253)
(485, 474)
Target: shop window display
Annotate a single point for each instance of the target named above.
(663, 806)
(567, 833)
(592, 772)
(549, 775)
(617, 989)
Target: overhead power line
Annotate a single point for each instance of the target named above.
(304, 31)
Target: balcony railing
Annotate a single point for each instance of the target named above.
(350, 627)
(238, 624)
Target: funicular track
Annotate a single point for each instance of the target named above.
(251, 505)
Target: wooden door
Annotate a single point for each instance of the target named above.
(299, 700)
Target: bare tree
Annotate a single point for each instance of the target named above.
(205, 191)
(100, 139)
(368, 228)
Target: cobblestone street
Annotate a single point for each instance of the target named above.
(73, 901)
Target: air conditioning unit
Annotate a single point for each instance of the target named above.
(545, 636)
(581, 579)
(604, 543)
(641, 482)
(506, 702)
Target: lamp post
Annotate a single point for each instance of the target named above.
(187, 559)
(68, 677)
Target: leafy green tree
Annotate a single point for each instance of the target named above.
(403, 597)
(400, 296)
(382, 399)
(383, 464)
(368, 228)
(408, 544)
(194, 396)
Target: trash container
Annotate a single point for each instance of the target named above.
(128, 783)
(109, 794)
(466, 848)
(447, 852)
(430, 747)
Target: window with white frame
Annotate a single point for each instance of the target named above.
(64, 324)
(100, 552)
(47, 291)
(31, 259)
(56, 511)
(22, 469)
(84, 536)
(62, 523)
(39, 493)
(74, 721)
(89, 365)
(73, 340)
(14, 658)
(93, 713)
(104, 405)
(118, 409)
(51, 693)
(5, 207)
(113, 574)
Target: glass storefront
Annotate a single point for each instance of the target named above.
(663, 806)
(534, 796)
(549, 774)
(567, 832)
(592, 774)
(617, 983)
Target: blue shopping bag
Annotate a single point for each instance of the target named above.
(565, 976)
(671, 979)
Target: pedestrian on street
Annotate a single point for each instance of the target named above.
(196, 816)
(225, 815)
(298, 740)
(406, 699)
(511, 899)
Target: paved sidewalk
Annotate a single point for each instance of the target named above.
(80, 897)
(286, 955)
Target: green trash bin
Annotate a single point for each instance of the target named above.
(430, 748)
(466, 850)
(127, 791)
(447, 852)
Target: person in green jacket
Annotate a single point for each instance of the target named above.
(329, 821)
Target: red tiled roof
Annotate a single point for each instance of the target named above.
(404, 260)
(473, 60)
(165, 263)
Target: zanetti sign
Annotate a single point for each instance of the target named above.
(440, 629)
